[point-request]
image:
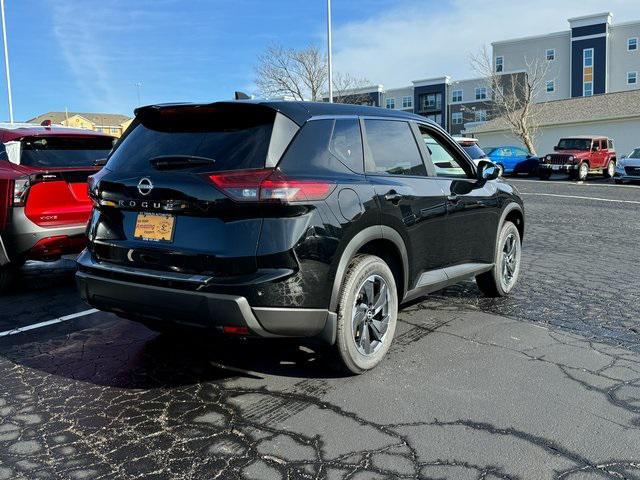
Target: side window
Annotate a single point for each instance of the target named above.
(603, 144)
(445, 162)
(507, 152)
(520, 152)
(393, 148)
(3, 153)
(346, 144)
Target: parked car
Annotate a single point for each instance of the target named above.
(44, 206)
(580, 155)
(513, 160)
(470, 145)
(628, 167)
(270, 219)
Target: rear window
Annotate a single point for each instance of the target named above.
(235, 137)
(59, 151)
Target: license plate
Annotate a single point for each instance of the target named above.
(154, 227)
(555, 167)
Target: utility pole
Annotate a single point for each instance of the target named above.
(6, 61)
(330, 75)
(138, 87)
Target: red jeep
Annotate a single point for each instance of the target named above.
(578, 156)
(44, 205)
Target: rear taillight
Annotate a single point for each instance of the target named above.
(266, 185)
(20, 190)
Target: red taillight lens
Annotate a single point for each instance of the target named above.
(270, 185)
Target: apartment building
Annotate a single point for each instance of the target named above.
(594, 56)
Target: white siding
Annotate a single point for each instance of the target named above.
(623, 132)
(397, 94)
(516, 53)
(622, 61)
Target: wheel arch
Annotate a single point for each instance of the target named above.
(512, 213)
(379, 240)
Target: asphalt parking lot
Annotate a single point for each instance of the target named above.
(543, 384)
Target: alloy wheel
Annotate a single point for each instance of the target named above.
(611, 168)
(584, 171)
(510, 259)
(370, 318)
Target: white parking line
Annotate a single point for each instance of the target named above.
(571, 184)
(581, 198)
(48, 322)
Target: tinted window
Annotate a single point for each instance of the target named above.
(394, 148)
(236, 137)
(474, 151)
(444, 160)
(346, 143)
(59, 151)
(3, 153)
(603, 144)
(635, 153)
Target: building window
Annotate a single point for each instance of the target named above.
(481, 93)
(436, 117)
(391, 103)
(480, 115)
(587, 72)
(456, 96)
(632, 78)
(456, 118)
(407, 102)
(632, 44)
(551, 54)
(499, 64)
(114, 131)
(551, 86)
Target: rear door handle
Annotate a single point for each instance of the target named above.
(393, 196)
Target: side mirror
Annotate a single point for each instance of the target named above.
(487, 170)
(556, 148)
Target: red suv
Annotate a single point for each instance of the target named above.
(580, 155)
(44, 205)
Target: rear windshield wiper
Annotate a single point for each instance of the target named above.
(170, 162)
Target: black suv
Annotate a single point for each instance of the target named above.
(292, 219)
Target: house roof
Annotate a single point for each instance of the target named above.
(607, 106)
(102, 119)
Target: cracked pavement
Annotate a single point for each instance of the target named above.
(544, 384)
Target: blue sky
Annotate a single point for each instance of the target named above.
(88, 55)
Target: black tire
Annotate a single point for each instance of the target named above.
(609, 170)
(544, 174)
(352, 340)
(493, 283)
(582, 172)
(8, 274)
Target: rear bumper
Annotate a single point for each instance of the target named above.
(142, 299)
(24, 239)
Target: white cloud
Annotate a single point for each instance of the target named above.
(420, 39)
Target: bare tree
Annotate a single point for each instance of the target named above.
(302, 75)
(515, 95)
(345, 89)
(286, 72)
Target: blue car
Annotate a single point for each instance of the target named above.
(513, 160)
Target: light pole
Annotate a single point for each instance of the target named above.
(6, 61)
(138, 87)
(329, 73)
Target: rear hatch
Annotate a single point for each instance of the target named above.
(181, 191)
(52, 186)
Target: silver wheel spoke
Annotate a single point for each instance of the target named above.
(368, 291)
(365, 342)
(380, 327)
(381, 301)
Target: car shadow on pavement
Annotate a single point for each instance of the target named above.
(122, 354)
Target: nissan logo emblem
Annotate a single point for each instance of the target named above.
(145, 186)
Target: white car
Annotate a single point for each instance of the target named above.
(628, 167)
